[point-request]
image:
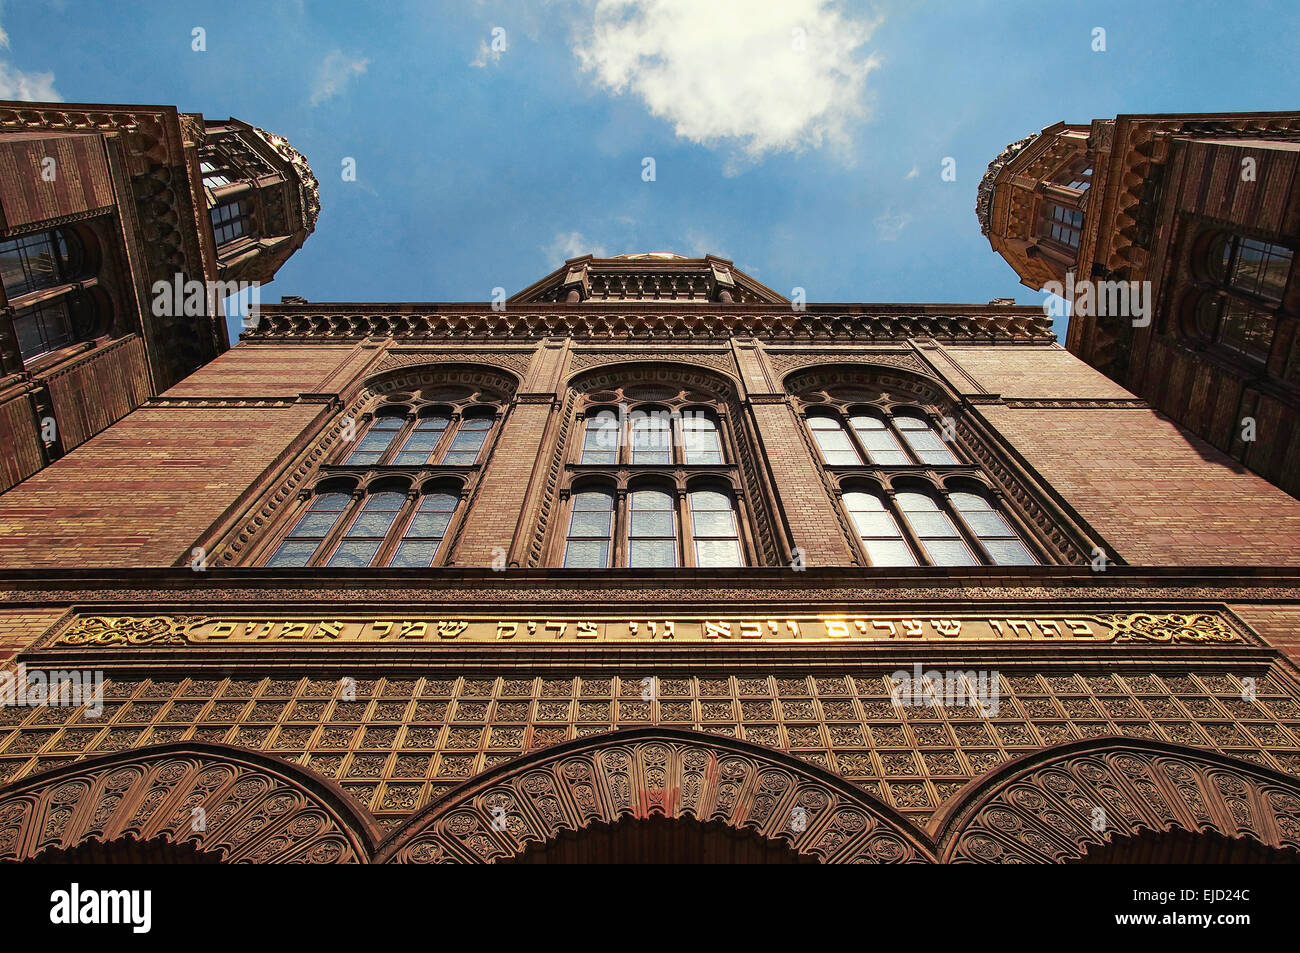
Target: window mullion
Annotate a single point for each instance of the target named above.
(397, 530)
(901, 439)
(905, 527)
(618, 543)
(395, 444)
(683, 528)
(972, 540)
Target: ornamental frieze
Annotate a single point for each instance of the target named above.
(396, 629)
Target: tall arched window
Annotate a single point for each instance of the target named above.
(426, 530)
(591, 531)
(652, 530)
(893, 467)
(715, 532)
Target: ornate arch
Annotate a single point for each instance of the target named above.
(899, 381)
(394, 376)
(1042, 808)
(255, 809)
(655, 772)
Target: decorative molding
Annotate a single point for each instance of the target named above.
(254, 809)
(1083, 403)
(656, 773)
(1045, 811)
(717, 360)
(516, 361)
(308, 323)
(784, 362)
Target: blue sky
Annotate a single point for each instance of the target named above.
(811, 161)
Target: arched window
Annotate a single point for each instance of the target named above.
(836, 448)
(437, 437)
(591, 531)
(311, 530)
(652, 437)
(37, 262)
(715, 532)
(368, 530)
(652, 530)
(468, 442)
(924, 442)
(994, 533)
(655, 482)
(50, 266)
(417, 449)
(378, 438)
(426, 530)
(600, 438)
(881, 538)
(701, 442)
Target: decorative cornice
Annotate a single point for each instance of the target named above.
(984, 195)
(459, 323)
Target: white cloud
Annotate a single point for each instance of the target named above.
(486, 55)
(566, 245)
(768, 77)
(915, 171)
(335, 73)
(31, 87)
(890, 224)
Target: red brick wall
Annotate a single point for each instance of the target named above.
(21, 440)
(19, 627)
(1160, 495)
(81, 180)
(264, 371)
(809, 510)
(493, 520)
(1279, 625)
(1043, 372)
(142, 491)
(98, 389)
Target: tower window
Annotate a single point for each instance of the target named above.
(213, 175)
(1065, 225)
(34, 263)
(230, 221)
(1257, 268)
(1236, 326)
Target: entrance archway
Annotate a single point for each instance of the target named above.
(661, 840)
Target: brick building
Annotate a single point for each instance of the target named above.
(652, 564)
(1206, 208)
(100, 207)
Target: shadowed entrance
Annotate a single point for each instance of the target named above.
(661, 840)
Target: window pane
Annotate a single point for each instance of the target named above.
(651, 524)
(651, 437)
(883, 552)
(834, 443)
(354, 553)
(648, 553)
(987, 524)
(948, 552)
(1009, 552)
(315, 525)
(586, 554)
(293, 553)
(414, 554)
(593, 501)
(863, 501)
(428, 525)
(700, 439)
(875, 524)
(41, 328)
(927, 445)
(709, 500)
(589, 524)
(717, 552)
(600, 444)
(712, 523)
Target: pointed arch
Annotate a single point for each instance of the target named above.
(655, 772)
(1054, 805)
(219, 799)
